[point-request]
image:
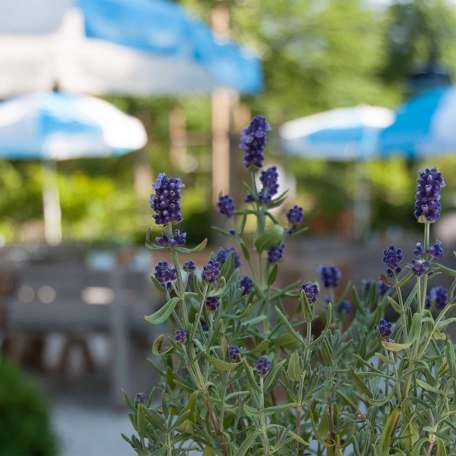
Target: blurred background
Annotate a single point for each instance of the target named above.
(175, 84)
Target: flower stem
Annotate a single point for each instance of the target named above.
(264, 433)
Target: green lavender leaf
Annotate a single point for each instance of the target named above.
(269, 238)
(220, 364)
(162, 314)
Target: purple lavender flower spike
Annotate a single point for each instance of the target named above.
(295, 215)
(330, 276)
(212, 303)
(211, 271)
(253, 141)
(392, 257)
(384, 328)
(440, 296)
(226, 205)
(249, 198)
(223, 254)
(269, 179)
(165, 274)
(427, 201)
(180, 336)
(436, 250)
(166, 200)
(311, 290)
(247, 284)
(234, 352)
(263, 366)
(275, 253)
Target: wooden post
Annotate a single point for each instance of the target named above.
(177, 137)
(51, 203)
(222, 103)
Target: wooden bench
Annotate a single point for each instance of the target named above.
(76, 302)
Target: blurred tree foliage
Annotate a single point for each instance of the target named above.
(316, 55)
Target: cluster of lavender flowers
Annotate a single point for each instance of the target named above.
(236, 350)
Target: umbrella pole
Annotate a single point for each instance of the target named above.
(362, 210)
(51, 203)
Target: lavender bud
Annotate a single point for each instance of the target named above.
(226, 205)
(212, 303)
(178, 239)
(247, 284)
(330, 276)
(223, 254)
(211, 271)
(234, 352)
(204, 326)
(311, 290)
(253, 141)
(392, 257)
(263, 365)
(420, 266)
(275, 253)
(384, 328)
(189, 266)
(249, 198)
(440, 296)
(166, 200)
(418, 249)
(165, 274)
(140, 398)
(345, 306)
(180, 336)
(427, 201)
(382, 288)
(436, 250)
(295, 215)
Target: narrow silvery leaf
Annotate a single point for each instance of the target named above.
(220, 364)
(294, 368)
(390, 423)
(163, 313)
(269, 238)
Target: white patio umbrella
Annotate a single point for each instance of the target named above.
(55, 126)
(425, 126)
(344, 134)
(131, 47)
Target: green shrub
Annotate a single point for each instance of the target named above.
(24, 416)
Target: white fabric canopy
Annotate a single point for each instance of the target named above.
(133, 47)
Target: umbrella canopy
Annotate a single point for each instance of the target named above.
(132, 47)
(339, 134)
(56, 126)
(425, 125)
(59, 126)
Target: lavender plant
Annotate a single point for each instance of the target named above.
(243, 370)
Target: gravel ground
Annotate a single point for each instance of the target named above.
(86, 431)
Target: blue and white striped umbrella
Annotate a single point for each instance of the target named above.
(132, 47)
(340, 134)
(424, 125)
(56, 126)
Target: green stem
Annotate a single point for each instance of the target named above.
(422, 288)
(401, 303)
(264, 434)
